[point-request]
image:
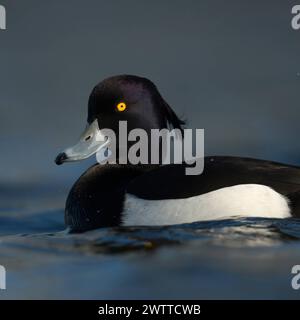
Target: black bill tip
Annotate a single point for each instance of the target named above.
(60, 159)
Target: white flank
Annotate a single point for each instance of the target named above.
(247, 200)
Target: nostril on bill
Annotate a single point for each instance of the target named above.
(87, 138)
(60, 158)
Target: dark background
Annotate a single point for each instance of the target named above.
(230, 67)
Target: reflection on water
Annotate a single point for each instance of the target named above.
(234, 258)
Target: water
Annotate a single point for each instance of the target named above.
(234, 258)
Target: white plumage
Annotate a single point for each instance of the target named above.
(248, 200)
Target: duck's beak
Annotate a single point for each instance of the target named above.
(90, 142)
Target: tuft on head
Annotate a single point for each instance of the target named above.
(173, 120)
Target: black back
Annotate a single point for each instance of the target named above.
(170, 181)
(219, 172)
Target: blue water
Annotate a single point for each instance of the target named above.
(234, 258)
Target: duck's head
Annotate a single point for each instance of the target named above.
(120, 98)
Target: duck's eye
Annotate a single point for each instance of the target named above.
(121, 106)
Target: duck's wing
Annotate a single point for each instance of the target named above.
(171, 182)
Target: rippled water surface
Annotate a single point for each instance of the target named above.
(234, 258)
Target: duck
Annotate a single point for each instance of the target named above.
(125, 194)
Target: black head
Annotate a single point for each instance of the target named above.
(131, 98)
(127, 98)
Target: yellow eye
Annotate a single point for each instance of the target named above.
(121, 106)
